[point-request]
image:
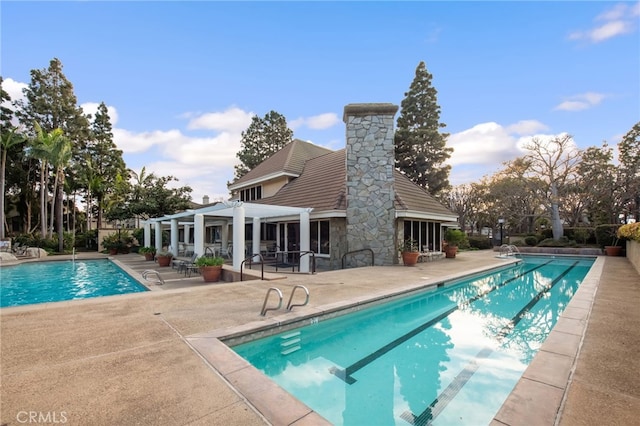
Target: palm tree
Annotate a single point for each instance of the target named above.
(60, 156)
(44, 147)
(8, 141)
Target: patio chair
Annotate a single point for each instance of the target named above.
(182, 264)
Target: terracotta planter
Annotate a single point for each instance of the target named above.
(211, 273)
(450, 251)
(410, 258)
(149, 256)
(613, 250)
(164, 260)
(113, 251)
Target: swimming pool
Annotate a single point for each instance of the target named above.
(55, 281)
(446, 356)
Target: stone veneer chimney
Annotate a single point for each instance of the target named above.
(205, 199)
(370, 154)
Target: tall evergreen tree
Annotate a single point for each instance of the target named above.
(264, 137)
(51, 102)
(421, 149)
(104, 158)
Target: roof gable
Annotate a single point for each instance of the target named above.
(322, 186)
(290, 160)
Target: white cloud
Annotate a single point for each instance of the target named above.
(316, 122)
(523, 127)
(483, 148)
(618, 20)
(233, 119)
(14, 89)
(581, 101)
(92, 108)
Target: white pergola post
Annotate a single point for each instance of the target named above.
(174, 236)
(304, 241)
(147, 234)
(238, 236)
(256, 238)
(198, 234)
(187, 234)
(159, 235)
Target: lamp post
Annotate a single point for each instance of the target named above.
(501, 222)
(118, 226)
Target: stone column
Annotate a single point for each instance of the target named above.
(370, 155)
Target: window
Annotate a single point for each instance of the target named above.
(319, 236)
(427, 234)
(250, 194)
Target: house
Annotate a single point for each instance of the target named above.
(349, 207)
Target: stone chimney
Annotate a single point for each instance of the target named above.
(370, 155)
(205, 200)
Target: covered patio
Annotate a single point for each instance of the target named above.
(222, 217)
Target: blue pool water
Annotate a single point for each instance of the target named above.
(42, 282)
(448, 356)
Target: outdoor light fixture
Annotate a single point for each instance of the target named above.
(501, 222)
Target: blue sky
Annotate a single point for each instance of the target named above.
(182, 79)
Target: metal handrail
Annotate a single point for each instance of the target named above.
(155, 277)
(264, 309)
(289, 305)
(301, 253)
(357, 251)
(250, 259)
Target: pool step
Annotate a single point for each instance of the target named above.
(290, 343)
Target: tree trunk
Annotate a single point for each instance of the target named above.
(43, 202)
(556, 223)
(59, 208)
(2, 216)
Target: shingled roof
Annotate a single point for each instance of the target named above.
(322, 186)
(290, 160)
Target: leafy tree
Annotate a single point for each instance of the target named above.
(421, 150)
(149, 196)
(629, 156)
(554, 163)
(264, 137)
(10, 139)
(597, 187)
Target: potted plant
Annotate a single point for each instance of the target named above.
(614, 249)
(164, 258)
(112, 243)
(149, 252)
(210, 267)
(453, 238)
(410, 252)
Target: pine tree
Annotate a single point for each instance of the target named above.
(264, 137)
(106, 160)
(421, 149)
(51, 102)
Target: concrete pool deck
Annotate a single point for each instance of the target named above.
(155, 358)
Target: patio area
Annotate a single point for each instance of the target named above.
(131, 359)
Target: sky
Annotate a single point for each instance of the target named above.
(183, 79)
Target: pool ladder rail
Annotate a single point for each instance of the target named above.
(290, 305)
(153, 277)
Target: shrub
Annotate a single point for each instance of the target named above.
(531, 240)
(630, 231)
(456, 237)
(606, 235)
(209, 261)
(479, 242)
(562, 242)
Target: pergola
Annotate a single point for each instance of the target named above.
(241, 213)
